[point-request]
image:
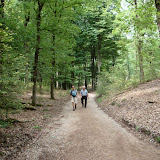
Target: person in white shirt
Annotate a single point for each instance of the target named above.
(84, 95)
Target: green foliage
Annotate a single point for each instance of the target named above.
(158, 139)
(37, 127)
(126, 71)
(113, 103)
(11, 71)
(80, 41)
(4, 124)
(47, 116)
(100, 99)
(137, 129)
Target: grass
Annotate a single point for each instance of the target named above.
(47, 116)
(158, 139)
(37, 127)
(15, 111)
(4, 123)
(123, 100)
(100, 99)
(137, 129)
(119, 105)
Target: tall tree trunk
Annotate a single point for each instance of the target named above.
(52, 87)
(137, 67)
(93, 66)
(85, 76)
(139, 48)
(53, 79)
(53, 70)
(113, 60)
(152, 69)
(79, 81)
(38, 23)
(27, 18)
(99, 53)
(1, 36)
(57, 84)
(64, 85)
(128, 67)
(40, 83)
(2, 12)
(140, 61)
(73, 78)
(157, 4)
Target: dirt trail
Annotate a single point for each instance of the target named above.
(87, 134)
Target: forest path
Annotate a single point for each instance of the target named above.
(88, 134)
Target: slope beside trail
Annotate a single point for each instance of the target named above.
(87, 134)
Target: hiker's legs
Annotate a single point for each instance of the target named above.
(72, 100)
(82, 100)
(85, 101)
(75, 105)
(75, 102)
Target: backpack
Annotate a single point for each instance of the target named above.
(74, 93)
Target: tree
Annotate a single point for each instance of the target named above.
(38, 25)
(157, 4)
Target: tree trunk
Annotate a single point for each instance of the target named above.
(152, 69)
(1, 37)
(38, 23)
(140, 61)
(79, 81)
(85, 76)
(27, 18)
(57, 84)
(52, 87)
(139, 48)
(99, 53)
(93, 67)
(128, 67)
(2, 13)
(40, 83)
(53, 80)
(53, 70)
(64, 85)
(157, 4)
(113, 60)
(72, 77)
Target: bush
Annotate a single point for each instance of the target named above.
(115, 81)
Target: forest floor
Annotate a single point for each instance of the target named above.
(55, 132)
(30, 123)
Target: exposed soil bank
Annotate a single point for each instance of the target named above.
(139, 109)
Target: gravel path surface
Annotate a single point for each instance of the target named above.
(87, 134)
